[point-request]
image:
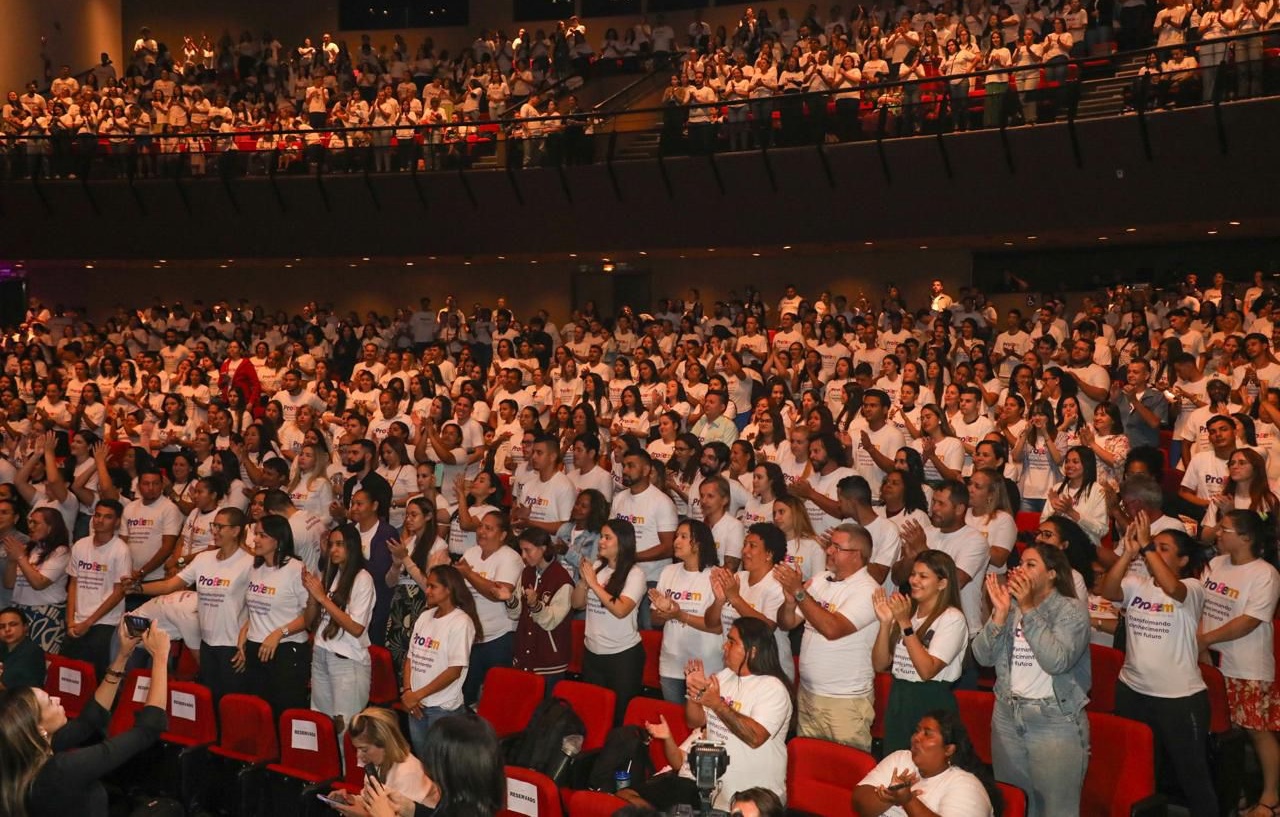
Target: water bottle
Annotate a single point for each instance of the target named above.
(621, 780)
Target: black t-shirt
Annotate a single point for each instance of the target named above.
(23, 665)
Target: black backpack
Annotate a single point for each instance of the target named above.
(626, 748)
(540, 748)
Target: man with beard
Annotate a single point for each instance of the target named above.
(829, 463)
(714, 462)
(653, 514)
(359, 457)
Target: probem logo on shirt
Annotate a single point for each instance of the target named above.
(426, 643)
(535, 502)
(684, 595)
(91, 567)
(261, 589)
(636, 520)
(1140, 603)
(138, 522)
(1221, 589)
(219, 581)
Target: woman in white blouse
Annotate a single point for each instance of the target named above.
(341, 668)
(1079, 497)
(997, 82)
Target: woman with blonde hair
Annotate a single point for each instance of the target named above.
(376, 736)
(309, 488)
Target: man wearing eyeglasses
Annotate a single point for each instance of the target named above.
(836, 674)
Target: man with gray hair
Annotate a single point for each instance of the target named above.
(1141, 495)
(837, 679)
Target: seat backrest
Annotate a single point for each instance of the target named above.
(508, 699)
(594, 705)
(309, 744)
(647, 710)
(1105, 663)
(383, 688)
(352, 771)
(1121, 768)
(191, 715)
(71, 681)
(822, 775)
(532, 793)
(1027, 521)
(594, 803)
(1219, 708)
(652, 640)
(577, 645)
(248, 727)
(883, 683)
(137, 684)
(975, 710)
(1015, 801)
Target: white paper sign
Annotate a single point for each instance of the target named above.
(69, 680)
(522, 797)
(141, 690)
(304, 736)
(183, 705)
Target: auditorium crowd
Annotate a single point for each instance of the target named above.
(799, 490)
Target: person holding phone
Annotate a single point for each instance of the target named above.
(52, 766)
(383, 752)
(341, 668)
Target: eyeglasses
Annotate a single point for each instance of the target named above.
(1227, 530)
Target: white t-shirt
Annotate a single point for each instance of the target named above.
(767, 701)
(651, 512)
(53, 567)
(945, 640)
(807, 556)
(436, 645)
(1027, 678)
(949, 449)
(145, 527)
(197, 536)
(221, 589)
(954, 792)
(308, 537)
(887, 441)
(460, 541)
(822, 521)
(597, 478)
(1251, 590)
(886, 543)
(971, 434)
(606, 633)
(680, 642)
(360, 608)
(97, 570)
(728, 534)
(1205, 474)
(968, 547)
(549, 501)
(503, 565)
(276, 597)
(841, 668)
(1000, 531)
(765, 596)
(1161, 657)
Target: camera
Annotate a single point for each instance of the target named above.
(708, 761)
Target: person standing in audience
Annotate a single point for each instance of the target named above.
(1038, 641)
(804, 550)
(411, 556)
(836, 677)
(221, 580)
(36, 571)
(439, 654)
(1160, 683)
(754, 591)
(375, 538)
(491, 568)
(922, 639)
(341, 668)
(541, 605)
(679, 604)
(1241, 589)
(97, 574)
(652, 514)
(610, 590)
(273, 649)
(1079, 496)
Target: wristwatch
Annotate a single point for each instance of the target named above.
(1149, 548)
(906, 631)
(801, 595)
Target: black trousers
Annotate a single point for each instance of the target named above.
(1181, 730)
(285, 680)
(622, 672)
(217, 673)
(94, 646)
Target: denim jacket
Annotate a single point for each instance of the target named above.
(1058, 631)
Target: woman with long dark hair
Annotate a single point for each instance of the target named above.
(36, 571)
(341, 669)
(922, 639)
(541, 607)
(1160, 683)
(273, 646)
(462, 757)
(1079, 497)
(679, 604)
(610, 590)
(410, 559)
(940, 772)
(439, 654)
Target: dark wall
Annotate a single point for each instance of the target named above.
(1034, 186)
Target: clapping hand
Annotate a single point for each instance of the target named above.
(588, 572)
(790, 578)
(1019, 587)
(660, 730)
(880, 601)
(313, 584)
(1000, 599)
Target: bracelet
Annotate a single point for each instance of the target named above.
(112, 673)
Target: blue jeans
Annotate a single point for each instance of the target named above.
(1043, 751)
(484, 657)
(418, 727)
(1032, 505)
